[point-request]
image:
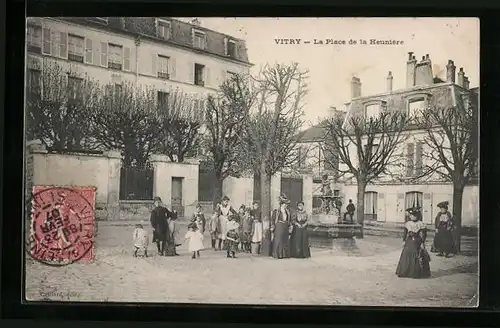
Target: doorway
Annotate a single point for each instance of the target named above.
(176, 196)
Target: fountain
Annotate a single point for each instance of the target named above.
(328, 226)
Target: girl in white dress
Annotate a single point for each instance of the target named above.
(194, 239)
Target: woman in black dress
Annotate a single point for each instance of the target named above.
(444, 244)
(299, 240)
(280, 226)
(414, 260)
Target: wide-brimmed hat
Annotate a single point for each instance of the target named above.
(283, 199)
(300, 203)
(156, 199)
(224, 198)
(413, 210)
(443, 204)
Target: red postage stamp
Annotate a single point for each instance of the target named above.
(62, 225)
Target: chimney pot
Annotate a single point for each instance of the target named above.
(410, 70)
(410, 55)
(355, 87)
(413, 58)
(461, 77)
(427, 56)
(450, 72)
(389, 82)
(423, 58)
(461, 69)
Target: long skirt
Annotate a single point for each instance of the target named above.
(222, 230)
(281, 241)
(299, 243)
(411, 264)
(266, 244)
(443, 241)
(231, 242)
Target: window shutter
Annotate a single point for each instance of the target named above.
(63, 45)
(88, 51)
(47, 42)
(96, 54)
(418, 158)
(192, 36)
(225, 46)
(154, 68)
(173, 67)
(191, 73)
(409, 160)
(104, 54)
(126, 59)
(55, 37)
(207, 76)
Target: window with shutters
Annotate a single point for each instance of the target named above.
(75, 48)
(34, 39)
(34, 91)
(199, 74)
(75, 89)
(199, 39)
(410, 156)
(371, 198)
(104, 54)
(163, 64)
(115, 56)
(88, 51)
(163, 29)
(163, 98)
(47, 41)
(231, 48)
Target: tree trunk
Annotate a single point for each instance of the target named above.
(361, 206)
(219, 180)
(265, 195)
(458, 192)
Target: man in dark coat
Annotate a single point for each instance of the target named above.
(350, 210)
(159, 224)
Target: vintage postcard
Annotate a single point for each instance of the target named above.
(270, 161)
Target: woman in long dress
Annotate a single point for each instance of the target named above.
(299, 240)
(414, 259)
(280, 227)
(223, 212)
(444, 244)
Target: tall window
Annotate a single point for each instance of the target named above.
(413, 199)
(416, 108)
(115, 57)
(414, 159)
(75, 86)
(34, 39)
(163, 67)
(199, 40)
(372, 111)
(75, 48)
(163, 29)
(34, 84)
(371, 205)
(163, 102)
(198, 74)
(231, 48)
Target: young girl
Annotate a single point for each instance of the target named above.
(141, 240)
(199, 219)
(212, 229)
(257, 230)
(232, 237)
(246, 230)
(194, 239)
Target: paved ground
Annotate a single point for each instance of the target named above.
(342, 276)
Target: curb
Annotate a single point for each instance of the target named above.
(132, 223)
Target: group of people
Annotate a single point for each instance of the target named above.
(415, 260)
(246, 230)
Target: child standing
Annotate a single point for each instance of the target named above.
(141, 240)
(239, 218)
(232, 238)
(246, 230)
(257, 230)
(194, 239)
(213, 224)
(199, 219)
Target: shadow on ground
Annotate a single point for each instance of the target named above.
(468, 268)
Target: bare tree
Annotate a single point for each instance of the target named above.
(452, 141)
(272, 133)
(366, 148)
(57, 106)
(180, 123)
(226, 116)
(127, 119)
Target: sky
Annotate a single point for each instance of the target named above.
(331, 66)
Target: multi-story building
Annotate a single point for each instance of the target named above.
(159, 52)
(387, 198)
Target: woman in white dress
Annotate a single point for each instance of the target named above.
(223, 212)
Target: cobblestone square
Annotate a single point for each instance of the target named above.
(330, 277)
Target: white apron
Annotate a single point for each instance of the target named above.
(223, 220)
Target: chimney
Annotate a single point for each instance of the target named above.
(466, 82)
(461, 76)
(196, 21)
(450, 71)
(355, 87)
(410, 70)
(423, 72)
(389, 82)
